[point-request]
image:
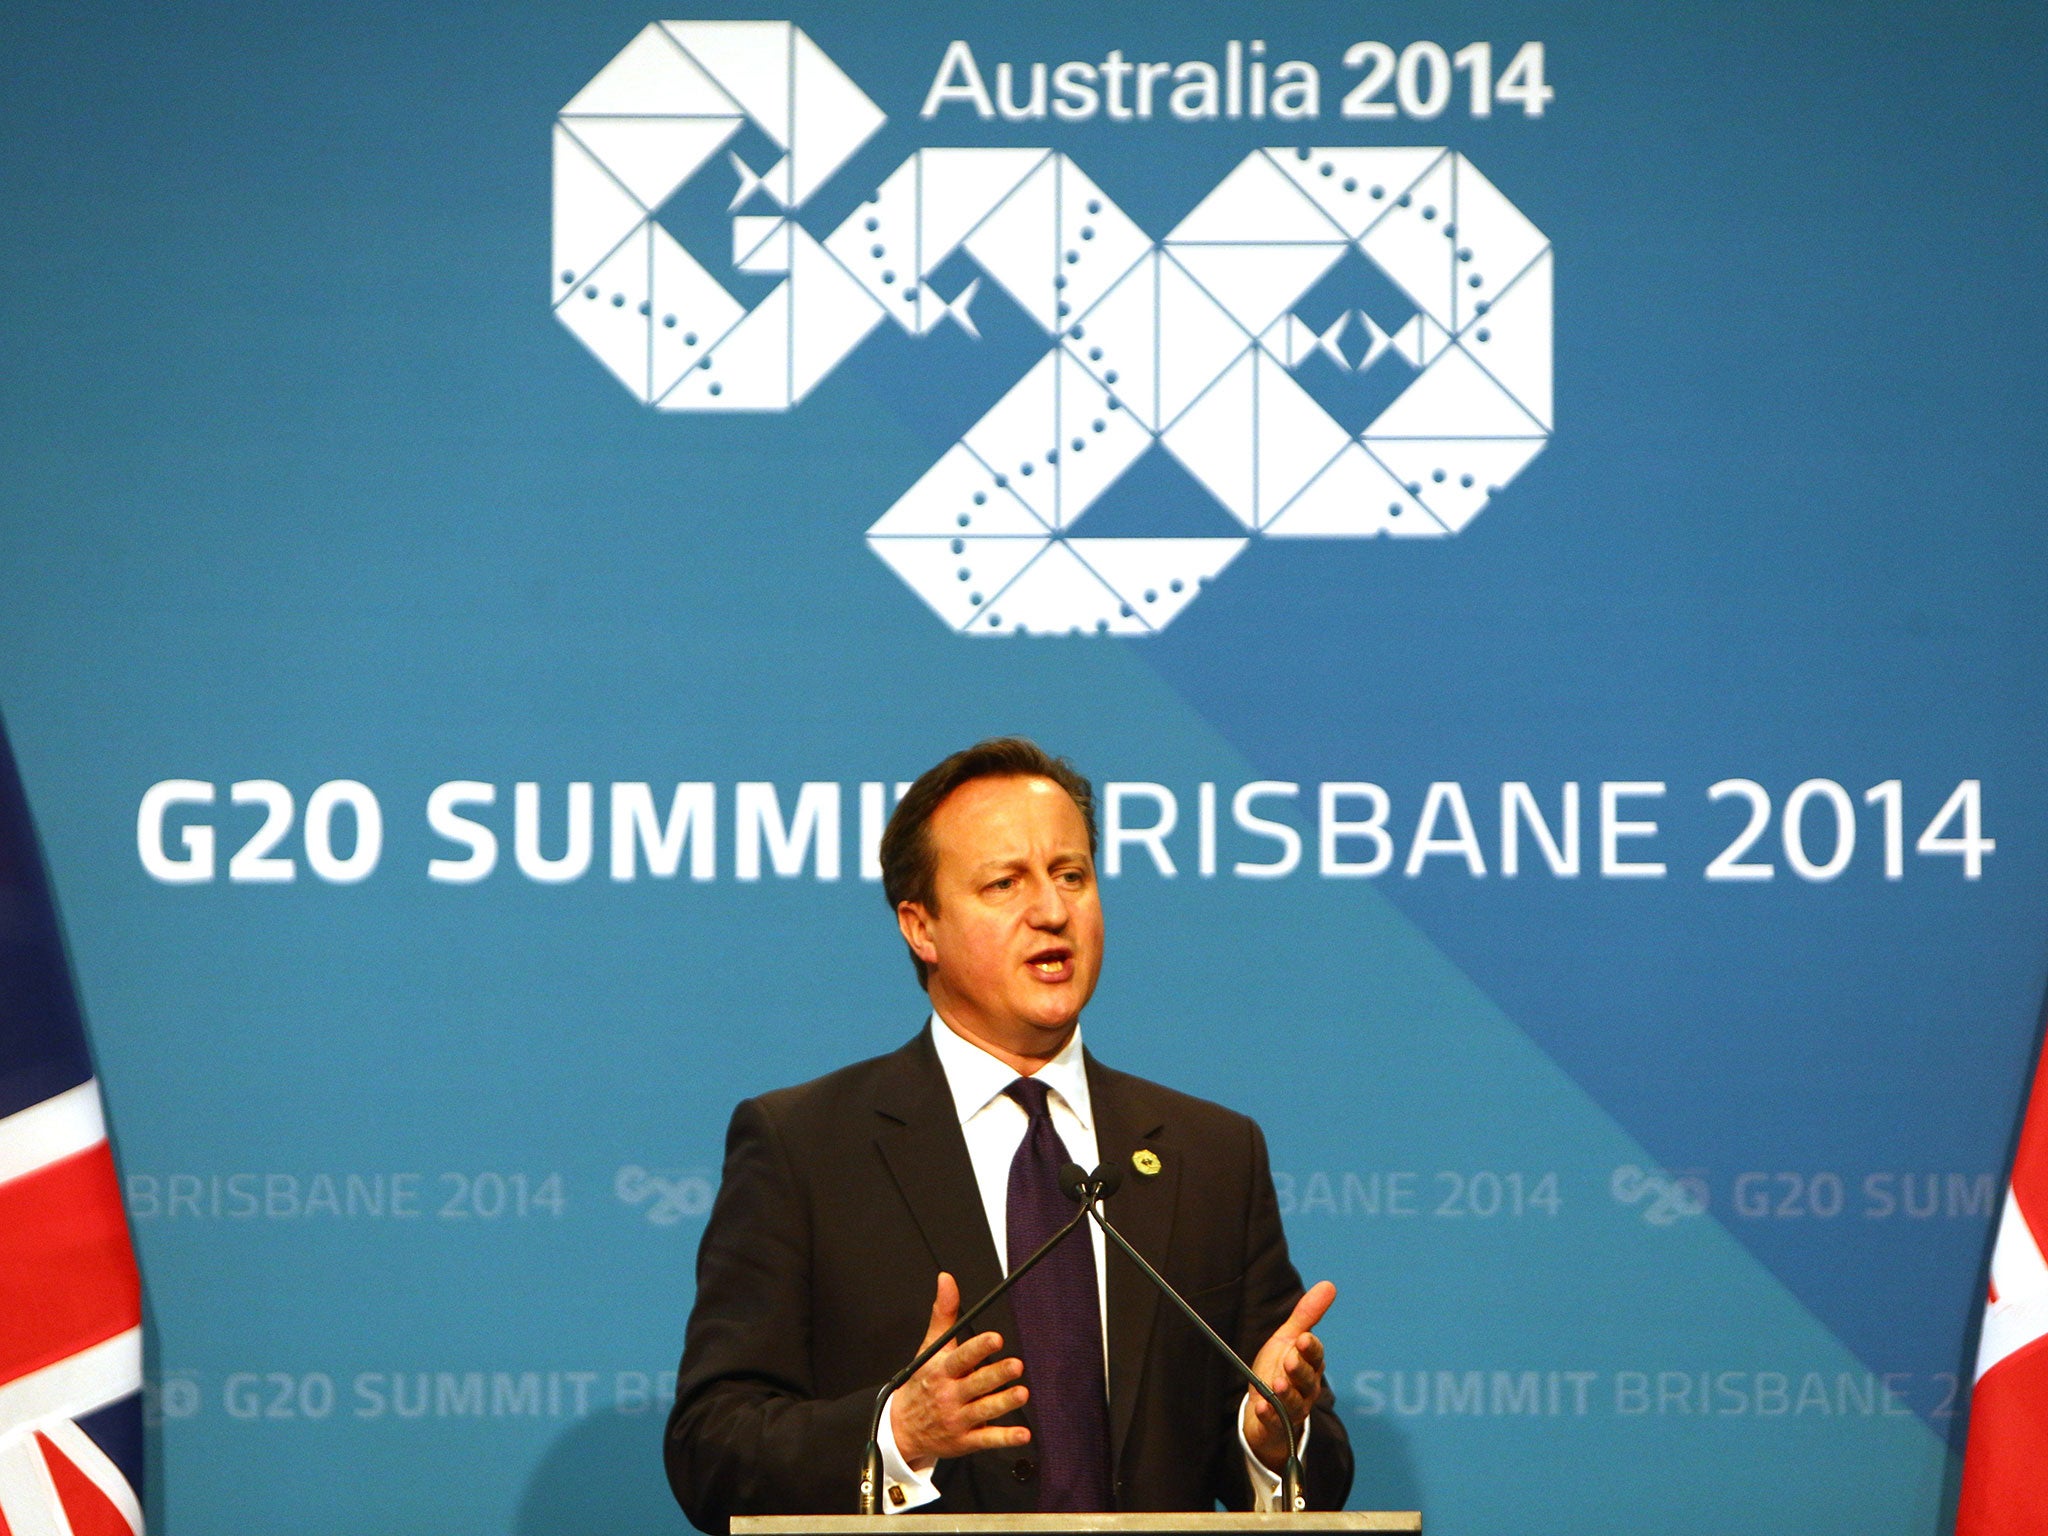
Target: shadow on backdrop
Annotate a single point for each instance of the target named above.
(1384, 1474)
(602, 1478)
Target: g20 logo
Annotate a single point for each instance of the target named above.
(1189, 344)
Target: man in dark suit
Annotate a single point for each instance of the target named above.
(856, 1210)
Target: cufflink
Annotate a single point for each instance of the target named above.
(1146, 1161)
(897, 1496)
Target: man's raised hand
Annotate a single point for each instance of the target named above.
(1291, 1363)
(945, 1409)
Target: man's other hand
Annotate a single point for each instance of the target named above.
(944, 1410)
(1291, 1363)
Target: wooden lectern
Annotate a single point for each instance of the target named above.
(1308, 1523)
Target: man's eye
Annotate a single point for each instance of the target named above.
(1001, 885)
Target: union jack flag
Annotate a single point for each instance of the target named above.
(70, 1296)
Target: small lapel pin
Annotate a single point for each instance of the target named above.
(1146, 1161)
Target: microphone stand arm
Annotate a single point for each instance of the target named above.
(871, 1456)
(1291, 1498)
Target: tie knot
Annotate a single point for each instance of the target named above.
(1031, 1093)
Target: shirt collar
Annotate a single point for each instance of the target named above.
(976, 1078)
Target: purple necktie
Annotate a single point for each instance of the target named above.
(1059, 1322)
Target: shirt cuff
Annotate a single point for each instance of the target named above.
(1265, 1481)
(904, 1488)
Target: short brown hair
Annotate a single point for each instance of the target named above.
(909, 862)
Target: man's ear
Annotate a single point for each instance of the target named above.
(916, 924)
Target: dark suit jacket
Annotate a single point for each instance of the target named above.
(841, 1201)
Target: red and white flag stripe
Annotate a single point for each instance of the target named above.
(2005, 1463)
(70, 1320)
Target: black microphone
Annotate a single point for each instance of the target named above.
(1091, 1190)
(1077, 1183)
(871, 1457)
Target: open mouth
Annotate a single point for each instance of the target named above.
(1052, 964)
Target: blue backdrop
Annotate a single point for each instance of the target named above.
(1656, 1201)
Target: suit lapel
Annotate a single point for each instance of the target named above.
(918, 1136)
(1143, 1211)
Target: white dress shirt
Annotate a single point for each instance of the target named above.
(994, 1125)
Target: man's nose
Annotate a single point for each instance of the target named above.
(1048, 905)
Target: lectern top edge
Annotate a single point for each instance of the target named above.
(1187, 1523)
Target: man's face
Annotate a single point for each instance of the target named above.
(1015, 943)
